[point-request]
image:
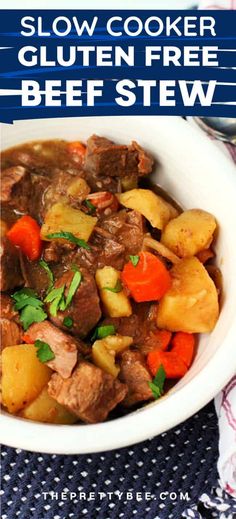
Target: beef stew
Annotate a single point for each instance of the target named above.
(104, 281)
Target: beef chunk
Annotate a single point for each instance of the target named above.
(63, 346)
(87, 259)
(10, 333)
(127, 228)
(34, 275)
(16, 188)
(145, 162)
(135, 374)
(52, 252)
(84, 309)
(129, 326)
(40, 186)
(132, 233)
(104, 251)
(7, 308)
(104, 158)
(56, 251)
(141, 325)
(115, 238)
(112, 254)
(109, 251)
(56, 189)
(90, 393)
(103, 183)
(10, 273)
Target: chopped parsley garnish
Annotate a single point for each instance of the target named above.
(68, 322)
(30, 307)
(57, 300)
(103, 331)
(46, 267)
(76, 280)
(56, 296)
(70, 237)
(115, 289)
(90, 206)
(74, 267)
(134, 260)
(158, 383)
(44, 352)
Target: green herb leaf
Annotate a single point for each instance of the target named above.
(30, 307)
(158, 383)
(57, 295)
(160, 377)
(57, 300)
(68, 322)
(116, 289)
(70, 237)
(103, 331)
(44, 352)
(46, 267)
(23, 293)
(134, 260)
(76, 280)
(30, 315)
(90, 206)
(54, 293)
(29, 301)
(75, 268)
(24, 297)
(155, 390)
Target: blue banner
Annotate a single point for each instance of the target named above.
(82, 63)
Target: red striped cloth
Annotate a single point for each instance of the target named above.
(225, 404)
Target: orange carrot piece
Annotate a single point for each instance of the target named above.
(173, 365)
(183, 346)
(26, 338)
(25, 234)
(163, 338)
(149, 280)
(77, 148)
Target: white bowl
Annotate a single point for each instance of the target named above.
(195, 172)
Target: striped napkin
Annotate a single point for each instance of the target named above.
(225, 402)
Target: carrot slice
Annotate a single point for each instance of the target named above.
(25, 234)
(183, 346)
(149, 280)
(162, 338)
(173, 365)
(77, 148)
(26, 338)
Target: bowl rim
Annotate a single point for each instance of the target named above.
(121, 432)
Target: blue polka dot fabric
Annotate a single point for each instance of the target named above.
(173, 476)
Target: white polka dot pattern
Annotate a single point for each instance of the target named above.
(159, 479)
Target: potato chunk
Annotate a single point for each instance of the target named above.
(189, 233)
(191, 304)
(63, 217)
(78, 189)
(23, 377)
(115, 304)
(155, 209)
(105, 350)
(45, 409)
